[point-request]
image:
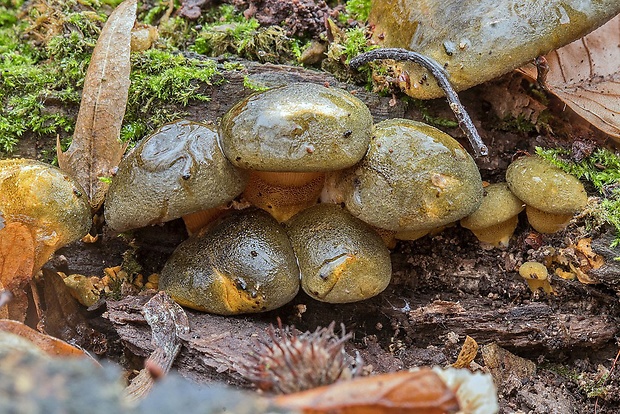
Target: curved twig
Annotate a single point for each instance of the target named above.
(465, 123)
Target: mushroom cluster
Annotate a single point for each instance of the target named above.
(549, 196)
(282, 151)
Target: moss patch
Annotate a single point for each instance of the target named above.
(46, 50)
(602, 170)
(161, 83)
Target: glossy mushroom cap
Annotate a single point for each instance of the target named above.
(301, 127)
(47, 201)
(479, 40)
(341, 258)
(495, 220)
(548, 189)
(414, 177)
(244, 263)
(178, 170)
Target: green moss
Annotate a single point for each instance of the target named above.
(427, 117)
(345, 46)
(350, 43)
(42, 79)
(602, 170)
(248, 83)
(38, 76)
(357, 10)
(161, 82)
(231, 33)
(591, 384)
(233, 66)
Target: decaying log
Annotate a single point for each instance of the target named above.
(213, 348)
(226, 93)
(217, 345)
(532, 327)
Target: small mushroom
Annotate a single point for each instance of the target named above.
(242, 263)
(289, 137)
(414, 178)
(341, 258)
(47, 201)
(178, 170)
(536, 275)
(551, 196)
(496, 219)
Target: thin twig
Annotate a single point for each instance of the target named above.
(467, 126)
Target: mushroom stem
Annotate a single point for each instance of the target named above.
(465, 122)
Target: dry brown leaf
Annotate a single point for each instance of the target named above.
(96, 149)
(505, 367)
(48, 344)
(467, 354)
(419, 392)
(63, 317)
(586, 76)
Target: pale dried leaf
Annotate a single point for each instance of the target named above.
(48, 344)
(421, 391)
(586, 76)
(468, 353)
(96, 149)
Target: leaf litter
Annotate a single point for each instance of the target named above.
(585, 75)
(96, 149)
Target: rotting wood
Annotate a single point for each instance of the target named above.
(529, 327)
(216, 344)
(231, 90)
(168, 322)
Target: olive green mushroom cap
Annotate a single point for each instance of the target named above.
(476, 41)
(414, 177)
(498, 205)
(544, 186)
(50, 203)
(341, 258)
(300, 127)
(178, 170)
(244, 263)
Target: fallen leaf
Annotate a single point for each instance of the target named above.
(582, 276)
(506, 367)
(467, 354)
(509, 99)
(63, 317)
(48, 344)
(17, 257)
(594, 260)
(585, 75)
(96, 149)
(418, 392)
